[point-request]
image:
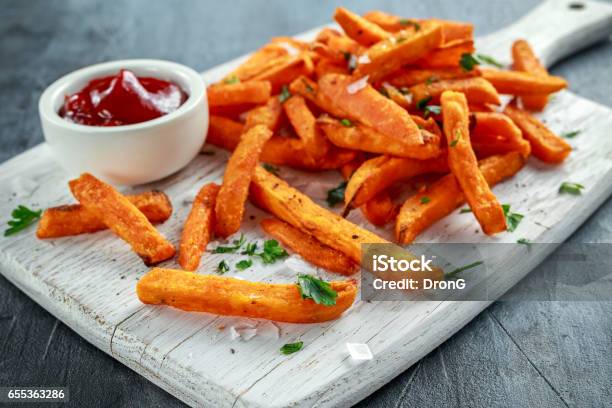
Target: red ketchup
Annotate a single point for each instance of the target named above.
(122, 99)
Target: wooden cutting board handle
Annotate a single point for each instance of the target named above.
(555, 29)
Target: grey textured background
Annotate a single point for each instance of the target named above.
(546, 354)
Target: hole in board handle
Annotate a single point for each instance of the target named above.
(576, 6)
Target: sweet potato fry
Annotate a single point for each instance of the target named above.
(198, 227)
(303, 121)
(445, 57)
(349, 168)
(227, 296)
(285, 72)
(326, 34)
(368, 106)
(261, 60)
(252, 92)
(276, 196)
(229, 207)
(223, 132)
(493, 128)
(268, 115)
(310, 91)
(463, 164)
(545, 145)
(380, 210)
(364, 138)
(376, 174)
(122, 217)
(400, 49)
(309, 247)
(358, 28)
(75, 219)
(445, 195)
(523, 83)
(328, 66)
(524, 59)
(476, 90)
(406, 77)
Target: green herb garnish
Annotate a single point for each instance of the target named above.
(430, 80)
(307, 85)
(23, 217)
(244, 264)
(465, 210)
(421, 104)
(486, 59)
(231, 80)
(408, 22)
(512, 219)
(454, 142)
(425, 200)
(400, 40)
(336, 195)
(236, 244)
(469, 61)
(454, 273)
(291, 348)
(432, 109)
(250, 249)
(284, 95)
(570, 188)
(270, 168)
(222, 268)
(346, 122)
(272, 252)
(316, 289)
(571, 135)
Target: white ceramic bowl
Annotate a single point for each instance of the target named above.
(130, 154)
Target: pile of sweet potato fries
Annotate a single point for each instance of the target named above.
(384, 101)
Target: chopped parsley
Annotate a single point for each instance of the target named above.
(400, 40)
(408, 22)
(236, 244)
(244, 264)
(512, 219)
(469, 61)
(336, 195)
(250, 249)
(272, 252)
(430, 80)
(307, 85)
(231, 80)
(452, 274)
(421, 104)
(454, 142)
(571, 135)
(486, 59)
(222, 268)
(291, 348)
(319, 291)
(570, 188)
(23, 217)
(465, 210)
(346, 122)
(284, 95)
(425, 200)
(523, 241)
(270, 168)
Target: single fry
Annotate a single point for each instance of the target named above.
(380, 210)
(229, 207)
(286, 71)
(364, 138)
(369, 107)
(309, 247)
(198, 228)
(285, 202)
(268, 115)
(402, 48)
(252, 92)
(261, 60)
(524, 59)
(304, 123)
(310, 91)
(477, 90)
(523, 83)
(74, 219)
(223, 132)
(462, 162)
(358, 28)
(122, 217)
(496, 130)
(445, 195)
(545, 145)
(407, 77)
(446, 57)
(227, 296)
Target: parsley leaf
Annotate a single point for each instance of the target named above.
(425, 200)
(23, 217)
(244, 264)
(486, 59)
(284, 95)
(454, 273)
(512, 219)
(468, 62)
(523, 241)
(237, 243)
(222, 268)
(291, 348)
(250, 249)
(570, 188)
(270, 168)
(454, 142)
(465, 210)
(408, 22)
(571, 135)
(347, 123)
(307, 85)
(336, 195)
(316, 289)
(272, 252)
(231, 80)
(421, 104)
(430, 80)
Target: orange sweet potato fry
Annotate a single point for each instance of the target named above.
(198, 228)
(545, 145)
(499, 132)
(524, 59)
(310, 91)
(328, 66)
(523, 83)
(477, 90)
(463, 164)
(368, 106)
(445, 195)
(252, 92)
(277, 197)
(261, 60)
(285, 72)
(223, 132)
(377, 174)
(406, 77)
(303, 121)
(358, 28)
(122, 217)
(402, 48)
(227, 296)
(229, 207)
(309, 247)
(447, 56)
(361, 137)
(268, 115)
(380, 210)
(349, 168)
(326, 34)
(75, 219)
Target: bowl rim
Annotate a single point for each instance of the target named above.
(195, 83)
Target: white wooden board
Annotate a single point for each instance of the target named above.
(89, 281)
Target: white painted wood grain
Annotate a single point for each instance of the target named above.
(89, 281)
